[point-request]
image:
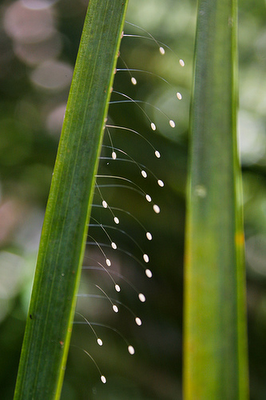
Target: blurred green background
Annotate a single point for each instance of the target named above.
(38, 46)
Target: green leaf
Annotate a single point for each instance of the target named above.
(215, 342)
(49, 324)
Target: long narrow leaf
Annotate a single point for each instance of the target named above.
(215, 344)
(49, 323)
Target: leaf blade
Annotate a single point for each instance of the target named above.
(61, 251)
(215, 344)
